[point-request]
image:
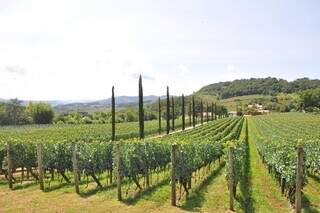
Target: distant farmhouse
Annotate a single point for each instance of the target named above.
(205, 114)
(257, 109)
(232, 113)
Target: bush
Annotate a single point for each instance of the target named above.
(41, 113)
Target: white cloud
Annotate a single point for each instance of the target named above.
(231, 68)
(183, 70)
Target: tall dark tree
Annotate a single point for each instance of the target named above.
(173, 115)
(190, 114)
(113, 115)
(207, 115)
(193, 113)
(215, 111)
(183, 113)
(141, 110)
(201, 111)
(212, 111)
(159, 116)
(168, 111)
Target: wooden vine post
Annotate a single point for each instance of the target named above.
(75, 167)
(40, 165)
(9, 161)
(299, 178)
(173, 174)
(231, 179)
(119, 172)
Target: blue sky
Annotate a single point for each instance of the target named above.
(79, 49)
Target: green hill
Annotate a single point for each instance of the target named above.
(257, 86)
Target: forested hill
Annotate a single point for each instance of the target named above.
(262, 86)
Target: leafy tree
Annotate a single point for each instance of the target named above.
(131, 117)
(41, 113)
(15, 112)
(310, 99)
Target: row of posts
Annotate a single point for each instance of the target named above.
(299, 173)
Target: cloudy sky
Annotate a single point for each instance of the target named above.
(72, 49)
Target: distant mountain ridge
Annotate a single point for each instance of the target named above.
(121, 101)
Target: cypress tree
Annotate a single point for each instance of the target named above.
(193, 113)
(141, 110)
(215, 111)
(212, 111)
(168, 111)
(159, 116)
(183, 113)
(190, 114)
(113, 114)
(201, 111)
(207, 113)
(173, 115)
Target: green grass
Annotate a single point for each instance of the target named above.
(61, 197)
(266, 194)
(311, 197)
(212, 196)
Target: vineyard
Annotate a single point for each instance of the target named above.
(246, 164)
(279, 138)
(81, 132)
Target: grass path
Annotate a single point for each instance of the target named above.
(311, 195)
(266, 194)
(212, 196)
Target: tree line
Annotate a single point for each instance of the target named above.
(14, 112)
(170, 114)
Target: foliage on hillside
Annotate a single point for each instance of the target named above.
(262, 86)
